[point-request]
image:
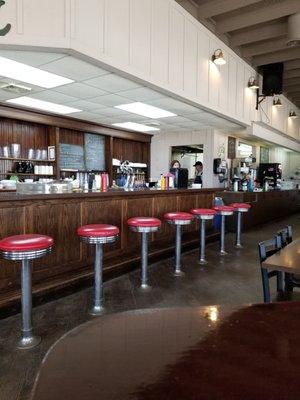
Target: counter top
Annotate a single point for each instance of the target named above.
(269, 191)
(115, 193)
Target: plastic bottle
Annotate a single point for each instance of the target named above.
(104, 182)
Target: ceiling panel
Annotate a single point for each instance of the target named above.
(142, 94)
(33, 58)
(80, 90)
(110, 100)
(112, 83)
(75, 69)
(54, 97)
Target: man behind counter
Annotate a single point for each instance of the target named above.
(199, 172)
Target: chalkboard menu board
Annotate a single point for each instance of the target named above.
(264, 155)
(71, 156)
(91, 156)
(231, 147)
(94, 152)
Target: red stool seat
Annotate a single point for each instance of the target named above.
(224, 209)
(144, 222)
(28, 242)
(98, 230)
(178, 216)
(203, 211)
(243, 206)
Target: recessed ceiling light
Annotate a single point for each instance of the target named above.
(145, 110)
(135, 126)
(42, 105)
(25, 73)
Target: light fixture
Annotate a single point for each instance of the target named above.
(253, 83)
(42, 105)
(293, 115)
(135, 126)
(145, 110)
(218, 57)
(277, 102)
(35, 76)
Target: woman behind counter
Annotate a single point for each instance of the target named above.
(175, 164)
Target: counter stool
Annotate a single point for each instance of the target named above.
(144, 225)
(223, 211)
(203, 214)
(98, 234)
(25, 248)
(178, 219)
(239, 208)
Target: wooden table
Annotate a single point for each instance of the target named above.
(286, 260)
(180, 354)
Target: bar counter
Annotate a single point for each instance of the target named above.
(71, 262)
(265, 206)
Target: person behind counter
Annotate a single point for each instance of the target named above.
(175, 164)
(199, 172)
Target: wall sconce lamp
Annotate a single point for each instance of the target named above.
(277, 102)
(253, 83)
(218, 57)
(293, 115)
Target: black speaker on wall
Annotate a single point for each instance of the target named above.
(272, 78)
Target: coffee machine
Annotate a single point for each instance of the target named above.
(271, 172)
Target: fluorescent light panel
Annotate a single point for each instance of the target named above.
(25, 73)
(42, 105)
(145, 110)
(135, 127)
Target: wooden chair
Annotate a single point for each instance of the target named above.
(266, 249)
(291, 280)
(286, 235)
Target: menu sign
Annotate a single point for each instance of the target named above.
(91, 156)
(71, 156)
(231, 146)
(264, 155)
(94, 152)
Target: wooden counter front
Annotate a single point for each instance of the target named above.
(265, 206)
(71, 262)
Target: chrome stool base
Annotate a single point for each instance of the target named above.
(26, 343)
(238, 246)
(179, 273)
(145, 287)
(202, 262)
(97, 310)
(223, 253)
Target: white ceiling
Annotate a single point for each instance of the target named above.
(96, 91)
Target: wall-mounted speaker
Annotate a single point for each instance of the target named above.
(272, 78)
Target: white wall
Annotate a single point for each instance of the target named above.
(155, 41)
(212, 141)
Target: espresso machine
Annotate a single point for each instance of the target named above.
(270, 172)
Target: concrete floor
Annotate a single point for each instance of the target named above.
(231, 280)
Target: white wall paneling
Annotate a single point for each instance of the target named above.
(88, 36)
(140, 35)
(160, 41)
(190, 58)
(117, 31)
(203, 67)
(176, 49)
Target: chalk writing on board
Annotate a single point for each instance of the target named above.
(94, 152)
(71, 156)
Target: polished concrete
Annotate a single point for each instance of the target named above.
(232, 280)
